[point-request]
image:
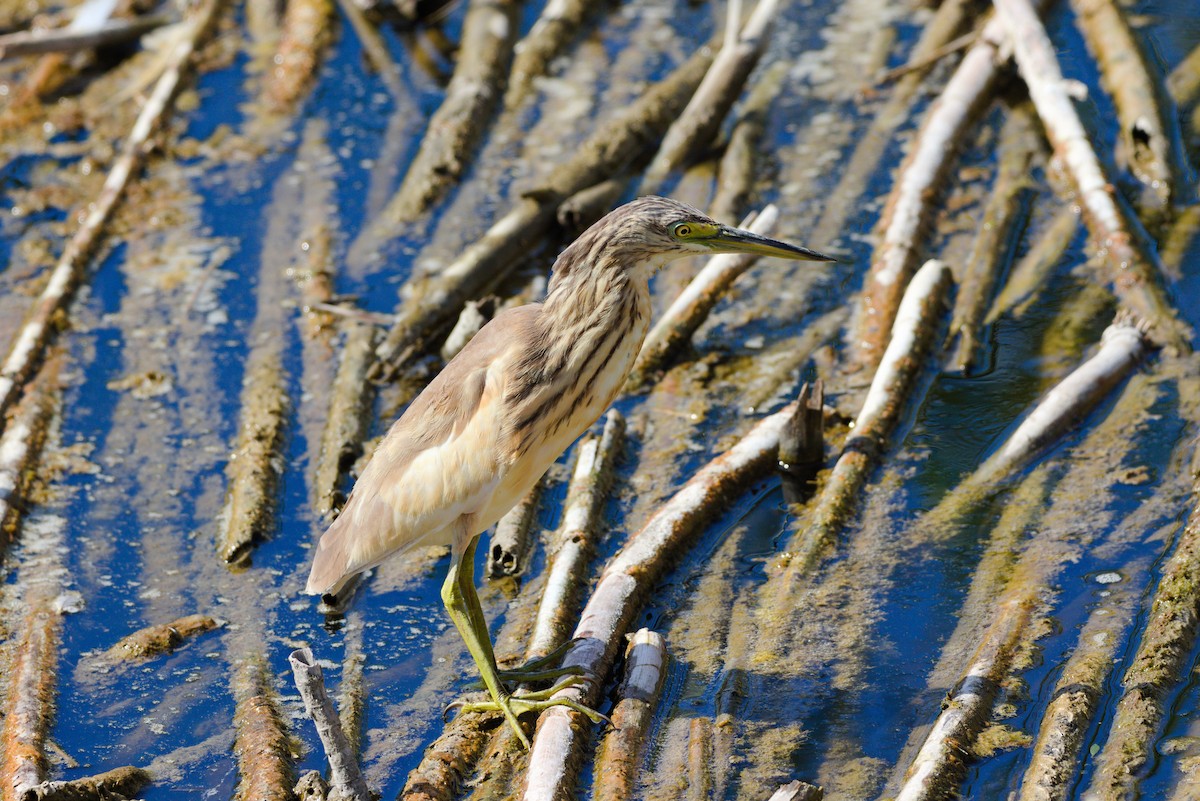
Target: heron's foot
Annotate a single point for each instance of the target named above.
(537, 701)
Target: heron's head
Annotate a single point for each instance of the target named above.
(644, 234)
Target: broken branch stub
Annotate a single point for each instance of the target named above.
(619, 757)
(346, 780)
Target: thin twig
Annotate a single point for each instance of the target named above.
(68, 40)
(345, 777)
(927, 60)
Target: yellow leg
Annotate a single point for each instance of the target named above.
(462, 602)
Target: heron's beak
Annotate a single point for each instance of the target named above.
(737, 240)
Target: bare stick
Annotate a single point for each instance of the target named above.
(610, 150)
(20, 446)
(1134, 270)
(619, 757)
(575, 540)
(489, 31)
(797, 791)
(697, 126)
(304, 34)
(1019, 141)
(345, 778)
(256, 464)
(927, 60)
(699, 759)
(1163, 659)
(1148, 138)
(909, 209)
(27, 349)
(117, 783)
(620, 593)
(1031, 272)
(689, 311)
(739, 162)
(348, 419)
(549, 36)
(939, 765)
(29, 701)
(1122, 347)
(1051, 772)
(374, 47)
(913, 337)
(508, 550)
(68, 40)
(262, 745)
(161, 638)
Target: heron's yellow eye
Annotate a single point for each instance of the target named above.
(682, 230)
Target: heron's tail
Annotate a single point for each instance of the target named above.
(331, 568)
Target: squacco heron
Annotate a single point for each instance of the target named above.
(498, 415)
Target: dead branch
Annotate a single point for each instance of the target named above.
(161, 638)
(20, 448)
(27, 349)
(69, 40)
(914, 336)
(621, 590)
(348, 419)
(910, 209)
(447, 762)
(374, 47)
(489, 30)
(1029, 274)
(738, 169)
(575, 541)
(586, 206)
(994, 241)
(1183, 83)
(928, 60)
(29, 702)
(256, 463)
(697, 126)
(699, 760)
(508, 550)
(619, 757)
(1122, 348)
(263, 744)
(802, 446)
(1162, 660)
(689, 311)
(1134, 270)
(112, 785)
(797, 791)
(304, 34)
(1056, 754)
(1148, 137)
(345, 778)
(549, 36)
(613, 147)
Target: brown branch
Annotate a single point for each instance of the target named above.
(1134, 270)
(738, 170)
(489, 30)
(1029, 275)
(619, 757)
(1148, 138)
(348, 418)
(68, 40)
(20, 448)
(621, 590)
(508, 549)
(797, 791)
(112, 785)
(161, 638)
(305, 32)
(549, 36)
(263, 744)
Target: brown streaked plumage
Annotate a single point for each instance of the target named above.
(529, 383)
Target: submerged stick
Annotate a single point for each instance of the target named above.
(613, 147)
(575, 540)
(26, 350)
(20, 447)
(913, 338)
(689, 311)
(739, 162)
(1134, 270)
(994, 241)
(118, 783)
(263, 744)
(1162, 661)
(348, 419)
(29, 702)
(697, 126)
(618, 760)
(256, 464)
(549, 36)
(345, 779)
(489, 31)
(1030, 274)
(161, 638)
(1068, 717)
(1122, 347)
(797, 791)
(673, 528)
(910, 208)
(1148, 137)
